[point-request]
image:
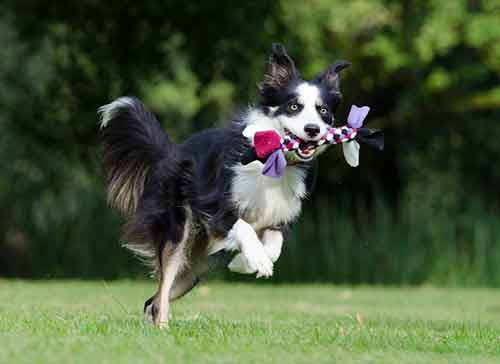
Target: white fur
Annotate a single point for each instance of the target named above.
(108, 112)
(309, 97)
(309, 94)
(258, 121)
(250, 130)
(265, 201)
(239, 264)
(273, 242)
(253, 258)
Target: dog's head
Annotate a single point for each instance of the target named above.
(299, 107)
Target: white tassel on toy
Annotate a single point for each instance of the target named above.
(351, 153)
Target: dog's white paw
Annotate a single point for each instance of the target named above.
(252, 261)
(258, 261)
(240, 265)
(252, 257)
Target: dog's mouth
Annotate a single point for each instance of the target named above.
(306, 149)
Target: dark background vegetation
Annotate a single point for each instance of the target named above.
(426, 210)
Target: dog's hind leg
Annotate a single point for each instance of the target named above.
(150, 310)
(172, 262)
(183, 284)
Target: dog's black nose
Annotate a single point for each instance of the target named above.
(312, 130)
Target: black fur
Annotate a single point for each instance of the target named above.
(212, 154)
(132, 142)
(197, 174)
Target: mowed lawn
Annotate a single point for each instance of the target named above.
(98, 322)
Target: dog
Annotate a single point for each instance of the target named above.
(186, 203)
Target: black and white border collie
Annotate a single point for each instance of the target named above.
(188, 202)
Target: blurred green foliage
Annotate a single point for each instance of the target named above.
(425, 210)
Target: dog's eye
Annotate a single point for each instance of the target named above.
(293, 107)
(323, 111)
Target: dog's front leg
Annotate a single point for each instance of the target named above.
(253, 258)
(272, 239)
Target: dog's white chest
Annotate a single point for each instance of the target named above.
(264, 201)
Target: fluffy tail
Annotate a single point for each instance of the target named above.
(133, 142)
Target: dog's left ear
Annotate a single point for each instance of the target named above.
(331, 77)
(280, 71)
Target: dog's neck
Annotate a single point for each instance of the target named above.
(264, 201)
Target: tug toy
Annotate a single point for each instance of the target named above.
(270, 147)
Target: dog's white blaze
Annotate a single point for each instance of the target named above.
(265, 201)
(308, 94)
(309, 97)
(107, 112)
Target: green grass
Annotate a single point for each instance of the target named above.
(97, 322)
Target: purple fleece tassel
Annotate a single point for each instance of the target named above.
(357, 115)
(275, 164)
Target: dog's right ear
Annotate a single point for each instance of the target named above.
(280, 71)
